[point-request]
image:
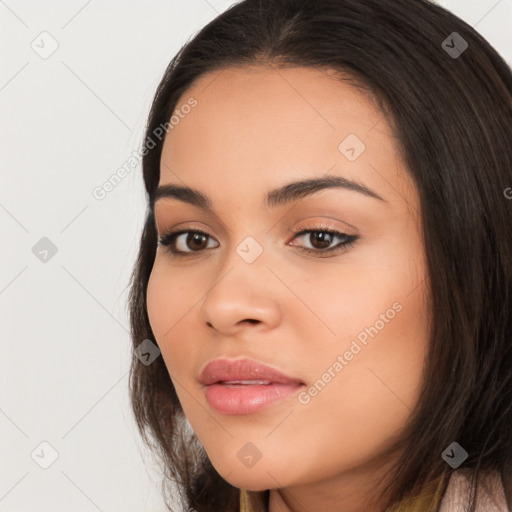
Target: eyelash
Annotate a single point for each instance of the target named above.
(168, 239)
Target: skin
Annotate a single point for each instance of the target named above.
(253, 130)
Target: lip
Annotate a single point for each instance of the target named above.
(244, 386)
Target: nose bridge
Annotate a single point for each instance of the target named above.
(247, 239)
(243, 266)
(240, 291)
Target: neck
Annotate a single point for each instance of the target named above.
(358, 490)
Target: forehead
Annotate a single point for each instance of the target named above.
(302, 100)
(266, 124)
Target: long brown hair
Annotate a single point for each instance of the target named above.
(452, 116)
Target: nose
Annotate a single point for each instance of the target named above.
(244, 295)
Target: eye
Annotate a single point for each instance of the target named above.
(179, 242)
(184, 242)
(321, 240)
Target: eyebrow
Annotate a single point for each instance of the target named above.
(277, 197)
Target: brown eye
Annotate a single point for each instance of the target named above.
(186, 242)
(320, 241)
(196, 241)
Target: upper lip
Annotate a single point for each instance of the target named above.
(225, 370)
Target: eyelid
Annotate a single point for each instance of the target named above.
(322, 225)
(164, 219)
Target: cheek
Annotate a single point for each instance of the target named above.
(378, 293)
(367, 403)
(168, 303)
(377, 390)
(380, 386)
(379, 312)
(157, 300)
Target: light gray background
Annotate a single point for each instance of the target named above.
(68, 122)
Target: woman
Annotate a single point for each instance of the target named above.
(326, 262)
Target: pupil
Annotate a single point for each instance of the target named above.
(197, 238)
(323, 238)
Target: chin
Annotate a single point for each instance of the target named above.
(251, 484)
(252, 479)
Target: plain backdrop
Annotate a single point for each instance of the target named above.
(76, 82)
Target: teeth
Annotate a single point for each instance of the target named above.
(249, 382)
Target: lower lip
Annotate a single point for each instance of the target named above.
(247, 398)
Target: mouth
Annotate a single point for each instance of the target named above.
(244, 382)
(243, 386)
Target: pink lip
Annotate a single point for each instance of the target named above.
(230, 387)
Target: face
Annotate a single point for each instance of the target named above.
(324, 282)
